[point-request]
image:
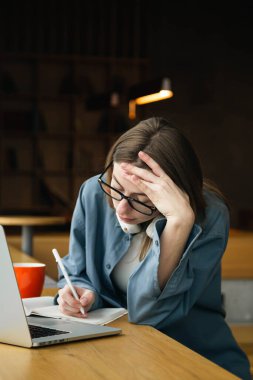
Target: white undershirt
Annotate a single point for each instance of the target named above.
(128, 263)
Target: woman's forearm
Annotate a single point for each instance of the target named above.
(173, 240)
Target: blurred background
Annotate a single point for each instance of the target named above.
(66, 68)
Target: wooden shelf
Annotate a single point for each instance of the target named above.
(49, 142)
(72, 58)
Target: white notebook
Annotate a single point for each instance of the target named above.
(44, 306)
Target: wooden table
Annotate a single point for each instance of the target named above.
(237, 262)
(27, 223)
(140, 353)
(20, 257)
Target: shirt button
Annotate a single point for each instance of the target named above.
(127, 238)
(108, 266)
(156, 243)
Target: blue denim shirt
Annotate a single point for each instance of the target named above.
(189, 308)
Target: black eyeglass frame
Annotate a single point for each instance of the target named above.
(123, 196)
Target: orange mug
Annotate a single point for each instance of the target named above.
(30, 278)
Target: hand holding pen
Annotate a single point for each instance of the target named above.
(67, 304)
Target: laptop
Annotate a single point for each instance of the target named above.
(33, 331)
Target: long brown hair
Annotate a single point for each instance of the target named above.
(171, 150)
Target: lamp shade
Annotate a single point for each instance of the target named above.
(149, 92)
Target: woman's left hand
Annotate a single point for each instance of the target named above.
(166, 196)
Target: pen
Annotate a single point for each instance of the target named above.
(66, 276)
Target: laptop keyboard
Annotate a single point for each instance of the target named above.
(39, 331)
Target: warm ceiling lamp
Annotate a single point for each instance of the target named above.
(148, 92)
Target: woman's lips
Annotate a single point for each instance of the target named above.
(126, 220)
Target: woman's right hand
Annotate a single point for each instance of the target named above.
(70, 306)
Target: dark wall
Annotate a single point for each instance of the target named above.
(207, 53)
(205, 50)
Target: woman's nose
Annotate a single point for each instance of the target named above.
(123, 206)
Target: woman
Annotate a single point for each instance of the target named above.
(148, 234)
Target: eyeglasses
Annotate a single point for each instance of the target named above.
(118, 196)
